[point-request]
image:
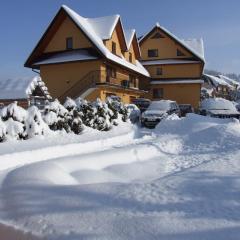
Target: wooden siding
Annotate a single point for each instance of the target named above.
(65, 30)
(176, 71)
(167, 47)
(181, 93)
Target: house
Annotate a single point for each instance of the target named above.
(175, 66)
(89, 58)
(222, 86)
(26, 92)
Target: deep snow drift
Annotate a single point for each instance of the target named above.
(179, 181)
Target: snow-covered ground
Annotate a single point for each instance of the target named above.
(179, 181)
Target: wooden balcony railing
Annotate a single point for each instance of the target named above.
(91, 79)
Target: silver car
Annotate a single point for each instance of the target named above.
(158, 110)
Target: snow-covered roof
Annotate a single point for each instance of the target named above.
(196, 46)
(21, 88)
(76, 55)
(218, 81)
(96, 33)
(104, 26)
(229, 80)
(167, 61)
(129, 34)
(179, 81)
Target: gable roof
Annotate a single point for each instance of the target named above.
(130, 35)
(195, 46)
(88, 29)
(21, 88)
(97, 30)
(104, 26)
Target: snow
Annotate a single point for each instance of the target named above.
(218, 81)
(88, 29)
(76, 55)
(196, 45)
(21, 88)
(16, 112)
(229, 80)
(129, 34)
(218, 104)
(104, 26)
(180, 81)
(179, 181)
(167, 61)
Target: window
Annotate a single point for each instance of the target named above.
(69, 43)
(180, 53)
(133, 80)
(114, 48)
(130, 57)
(159, 71)
(153, 53)
(111, 73)
(158, 93)
(157, 35)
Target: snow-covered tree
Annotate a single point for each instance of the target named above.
(2, 131)
(57, 116)
(70, 104)
(102, 117)
(34, 123)
(15, 112)
(15, 129)
(76, 123)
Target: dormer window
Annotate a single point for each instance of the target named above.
(69, 43)
(180, 53)
(114, 48)
(157, 35)
(152, 52)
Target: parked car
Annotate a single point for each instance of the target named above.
(158, 110)
(185, 108)
(142, 103)
(134, 113)
(219, 108)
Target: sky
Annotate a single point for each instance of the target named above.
(22, 23)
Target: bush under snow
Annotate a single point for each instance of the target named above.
(73, 116)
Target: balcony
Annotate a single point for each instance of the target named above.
(96, 78)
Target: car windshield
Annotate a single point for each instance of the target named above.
(160, 105)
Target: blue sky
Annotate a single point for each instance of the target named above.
(218, 21)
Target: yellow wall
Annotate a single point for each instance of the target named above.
(124, 95)
(102, 91)
(60, 77)
(119, 50)
(126, 54)
(121, 74)
(67, 29)
(177, 71)
(108, 43)
(181, 93)
(167, 48)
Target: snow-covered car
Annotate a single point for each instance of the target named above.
(142, 103)
(158, 110)
(134, 113)
(219, 108)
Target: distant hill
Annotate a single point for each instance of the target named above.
(216, 73)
